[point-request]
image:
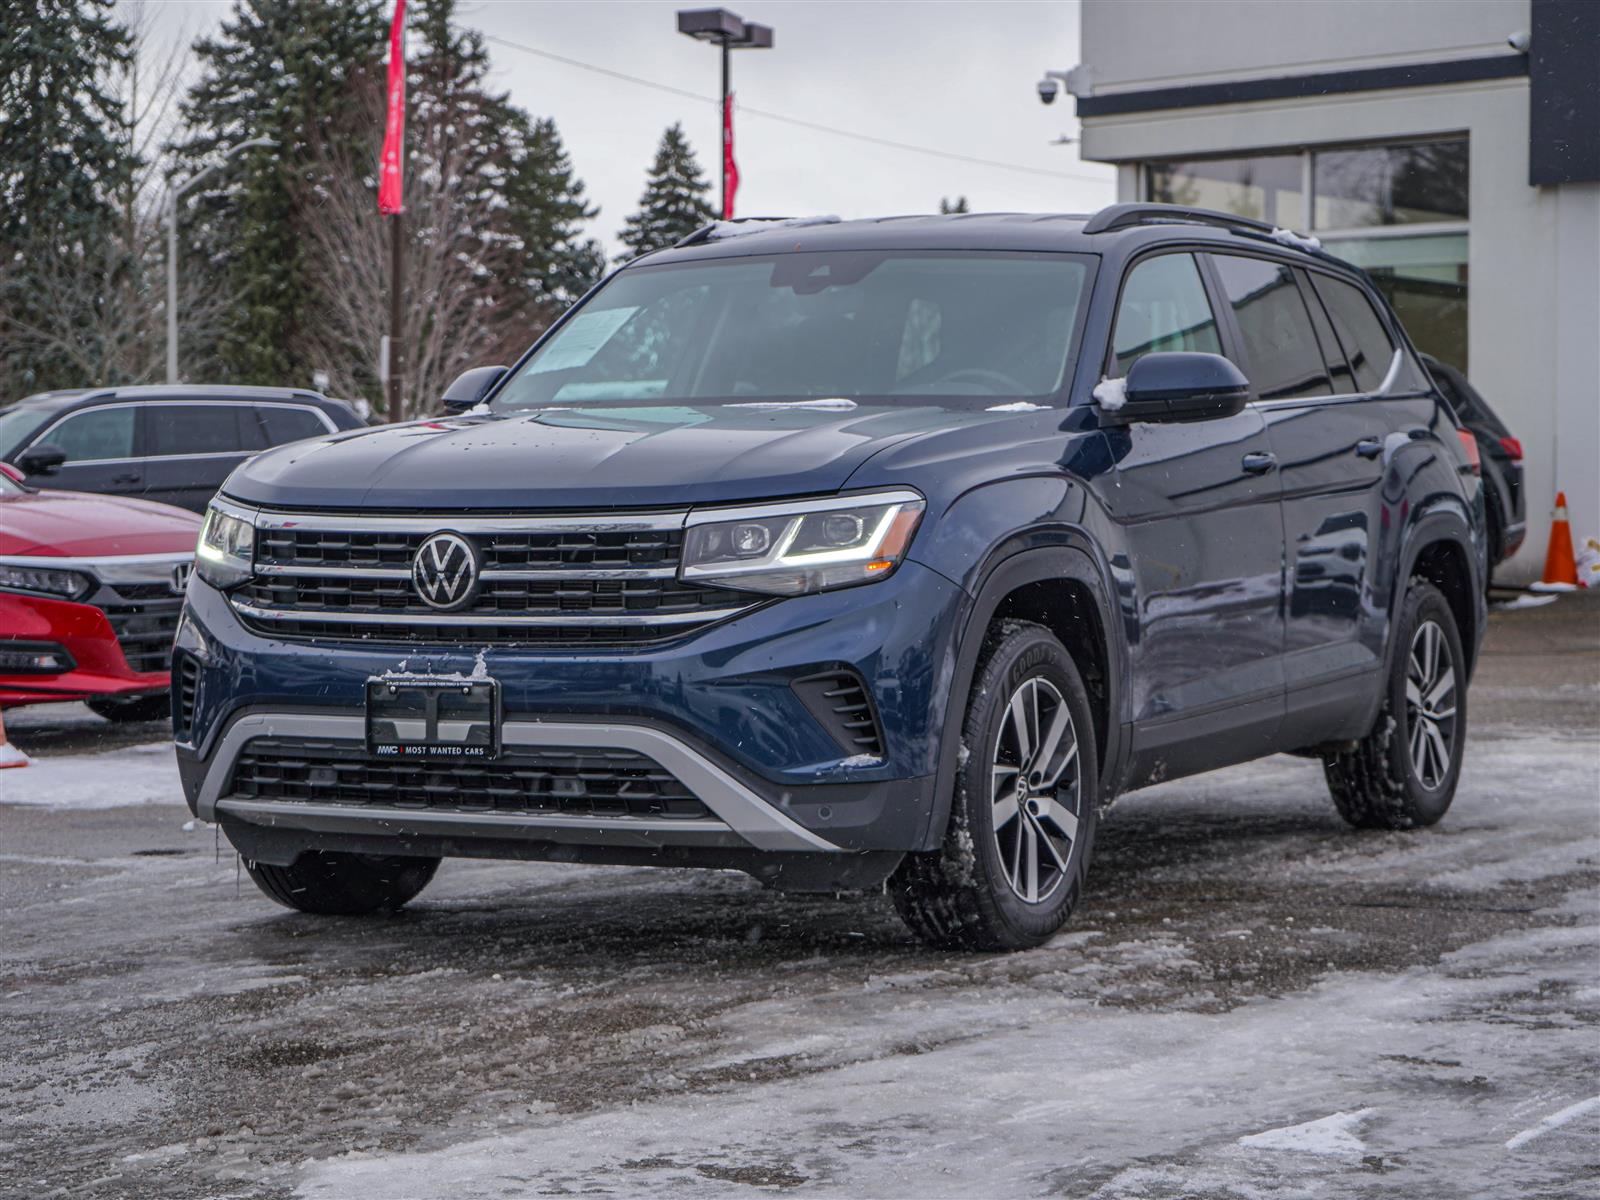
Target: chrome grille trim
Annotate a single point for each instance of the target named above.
(335, 616)
(487, 573)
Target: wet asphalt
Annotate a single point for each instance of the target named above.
(167, 1031)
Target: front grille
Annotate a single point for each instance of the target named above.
(841, 705)
(610, 580)
(581, 783)
(145, 630)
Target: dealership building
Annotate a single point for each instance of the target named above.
(1450, 147)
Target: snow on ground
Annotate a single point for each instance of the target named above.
(141, 774)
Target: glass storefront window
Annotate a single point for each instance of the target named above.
(1267, 187)
(1424, 279)
(1390, 185)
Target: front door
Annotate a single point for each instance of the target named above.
(100, 447)
(1198, 507)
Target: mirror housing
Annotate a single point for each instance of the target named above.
(470, 388)
(1181, 385)
(43, 459)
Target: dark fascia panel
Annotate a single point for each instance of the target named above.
(1564, 93)
(1292, 87)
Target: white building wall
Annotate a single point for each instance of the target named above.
(1533, 253)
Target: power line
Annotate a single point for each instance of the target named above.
(788, 120)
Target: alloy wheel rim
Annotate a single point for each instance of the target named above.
(1035, 790)
(1430, 705)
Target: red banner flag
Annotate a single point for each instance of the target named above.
(730, 169)
(391, 187)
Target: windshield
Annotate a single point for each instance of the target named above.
(849, 326)
(17, 425)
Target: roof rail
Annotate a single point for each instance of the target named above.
(718, 230)
(1125, 216)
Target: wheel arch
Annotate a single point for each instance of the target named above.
(1442, 551)
(1062, 587)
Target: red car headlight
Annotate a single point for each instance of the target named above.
(44, 581)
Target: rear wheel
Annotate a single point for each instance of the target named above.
(1404, 773)
(347, 885)
(137, 708)
(1023, 815)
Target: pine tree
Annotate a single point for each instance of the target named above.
(674, 201)
(63, 162)
(547, 209)
(288, 70)
(958, 205)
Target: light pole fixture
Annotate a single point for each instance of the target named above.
(175, 192)
(723, 28)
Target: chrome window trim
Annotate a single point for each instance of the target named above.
(576, 620)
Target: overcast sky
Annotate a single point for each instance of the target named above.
(955, 77)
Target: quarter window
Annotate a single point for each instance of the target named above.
(1282, 359)
(192, 429)
(290, 425)
(93, 435)
(1163, 307)
(1366, 341)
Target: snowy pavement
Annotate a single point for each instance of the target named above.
(1254, 1001)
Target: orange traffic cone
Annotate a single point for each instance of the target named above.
(10, 756)
(1560, 567)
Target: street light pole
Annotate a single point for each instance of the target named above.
(730, 32)
(175, 192)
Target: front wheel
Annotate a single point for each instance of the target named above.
(1022, 819)
(337, 884)
(1403, 774)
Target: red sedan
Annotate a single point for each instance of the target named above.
(90, 591)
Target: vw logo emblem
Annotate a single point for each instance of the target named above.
(445, 571)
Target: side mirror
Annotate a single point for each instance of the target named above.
(470, 388)
(1183, 386)
(41, 460)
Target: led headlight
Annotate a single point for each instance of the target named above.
(224, 554)
(44, 581)
(807, 546)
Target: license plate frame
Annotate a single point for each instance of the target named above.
(433, 717)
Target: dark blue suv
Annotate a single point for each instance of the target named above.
(852, 555)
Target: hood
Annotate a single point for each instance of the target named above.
(587, 459)
(81, 525)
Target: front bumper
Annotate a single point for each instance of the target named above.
(87, 643)
(715, 708)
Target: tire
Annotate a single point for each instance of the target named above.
(976, 892)
(140, 708)
(1403, 774)
(344, 885)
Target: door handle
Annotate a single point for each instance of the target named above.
(1369, 447)
(1258, 462)
(125, 478)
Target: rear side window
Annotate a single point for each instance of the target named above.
(1163, 307)
(1366, 341)
(289, 424)
(1283, 360)
(96, 434)
(1332, 352)
(196, 429)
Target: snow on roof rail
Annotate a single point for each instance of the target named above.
(740, 226)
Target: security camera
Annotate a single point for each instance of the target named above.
(1520, 41)
(1048, 90)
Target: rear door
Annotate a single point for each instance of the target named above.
(1330, 438)
(101, 449)
(282, 423)
(190, 446)
(1198, 505)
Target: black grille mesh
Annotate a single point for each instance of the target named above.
(595, 783)
(145, 631)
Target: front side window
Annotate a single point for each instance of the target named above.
(94, 435)
(1163, 307)
(1283, 360)
(848, 325)
(193, 429)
